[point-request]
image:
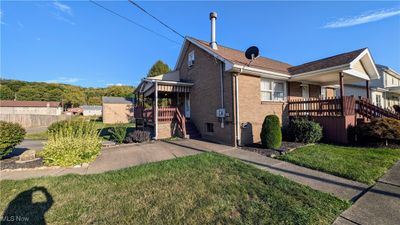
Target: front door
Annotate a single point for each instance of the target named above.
(187, 105)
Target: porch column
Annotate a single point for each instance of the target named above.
(341, 91)
(367, 88)
(156, 110)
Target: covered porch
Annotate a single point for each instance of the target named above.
(162, 106)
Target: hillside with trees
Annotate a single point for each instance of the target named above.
(70, 95)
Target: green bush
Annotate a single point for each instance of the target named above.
(382, 130)
(306, 131)
(54, 127)
(72, 144)
(271, 134)
(118, 132)
(11, 134)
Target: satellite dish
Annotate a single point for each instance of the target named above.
(252, 53)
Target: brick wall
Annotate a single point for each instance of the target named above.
(252, 111)
(117, 113)
(205, 97)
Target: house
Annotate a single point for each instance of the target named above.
(219, 94)
(92, 110)
(385, 91)
(30, 107)
(117, 110)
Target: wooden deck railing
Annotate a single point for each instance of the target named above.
(368, 110)
(315, 107)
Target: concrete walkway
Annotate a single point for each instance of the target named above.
(111, 158)
(339, 187)
(380, 205)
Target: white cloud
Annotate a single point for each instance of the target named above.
(62, 12)
(65, 80)
(117, 84)
(62, 7)
(1, 16)
(363, 18)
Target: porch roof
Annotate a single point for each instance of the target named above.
(169, 82)
(395, 89)
(355, 69)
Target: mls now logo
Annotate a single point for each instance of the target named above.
(15, 219)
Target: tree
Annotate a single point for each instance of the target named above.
(119, 91)
(158, 68)
(6, 93)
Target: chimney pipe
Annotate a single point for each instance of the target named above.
(213, 18)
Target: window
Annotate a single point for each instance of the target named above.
(209, 128)
(272, 90)
(191, 59)
(323, 92)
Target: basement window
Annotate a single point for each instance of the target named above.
(209, 127)
(191, 58)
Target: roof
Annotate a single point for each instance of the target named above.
(117, 100)
(238, 57)
(11, 103)
(336, 60)
(92, 107)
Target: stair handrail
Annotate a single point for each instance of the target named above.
(369, 110)
(181, 121)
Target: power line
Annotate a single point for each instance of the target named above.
(131, 21)
(172, 29)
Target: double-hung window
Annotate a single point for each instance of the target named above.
(272, 90)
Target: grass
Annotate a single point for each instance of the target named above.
(37, 136)
(203, 189)
(365, 165)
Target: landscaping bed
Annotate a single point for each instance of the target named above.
(285, 148)
(357, 163)
(202, 189)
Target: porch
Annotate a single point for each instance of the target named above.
(162, 107)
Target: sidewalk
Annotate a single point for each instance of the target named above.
(380, 205)
(339, 187)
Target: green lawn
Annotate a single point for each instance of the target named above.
(360, 164)
(201, 189)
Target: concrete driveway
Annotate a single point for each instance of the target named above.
(111, 158)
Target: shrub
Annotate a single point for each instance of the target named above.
(306, 131)
(271, 134)
(118, 132)
(382, 130)
(11, 134)
(138, 136)
(54, 127)
(71, 144)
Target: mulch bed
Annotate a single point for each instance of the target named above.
(285, 147)
(11, 163)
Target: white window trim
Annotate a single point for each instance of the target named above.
(272, 91)
(190, 60)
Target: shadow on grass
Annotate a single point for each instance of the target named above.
(105, 133)
(23, 210)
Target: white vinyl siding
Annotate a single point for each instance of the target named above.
(272, 90)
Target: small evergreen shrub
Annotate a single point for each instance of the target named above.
(381, 130)
(305, 131)
(11, 134)
(72, 144)
(271, 134)
(118, 132)
(138, 136)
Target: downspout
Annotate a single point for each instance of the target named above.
(156, 110)
(222, 93)
(237, 108)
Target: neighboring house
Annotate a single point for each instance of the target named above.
(217, 92)
(385, 91)
(30, 107)
(74, 111)
(117, 110)
(92, 110)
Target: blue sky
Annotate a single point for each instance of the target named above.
(77, 42)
